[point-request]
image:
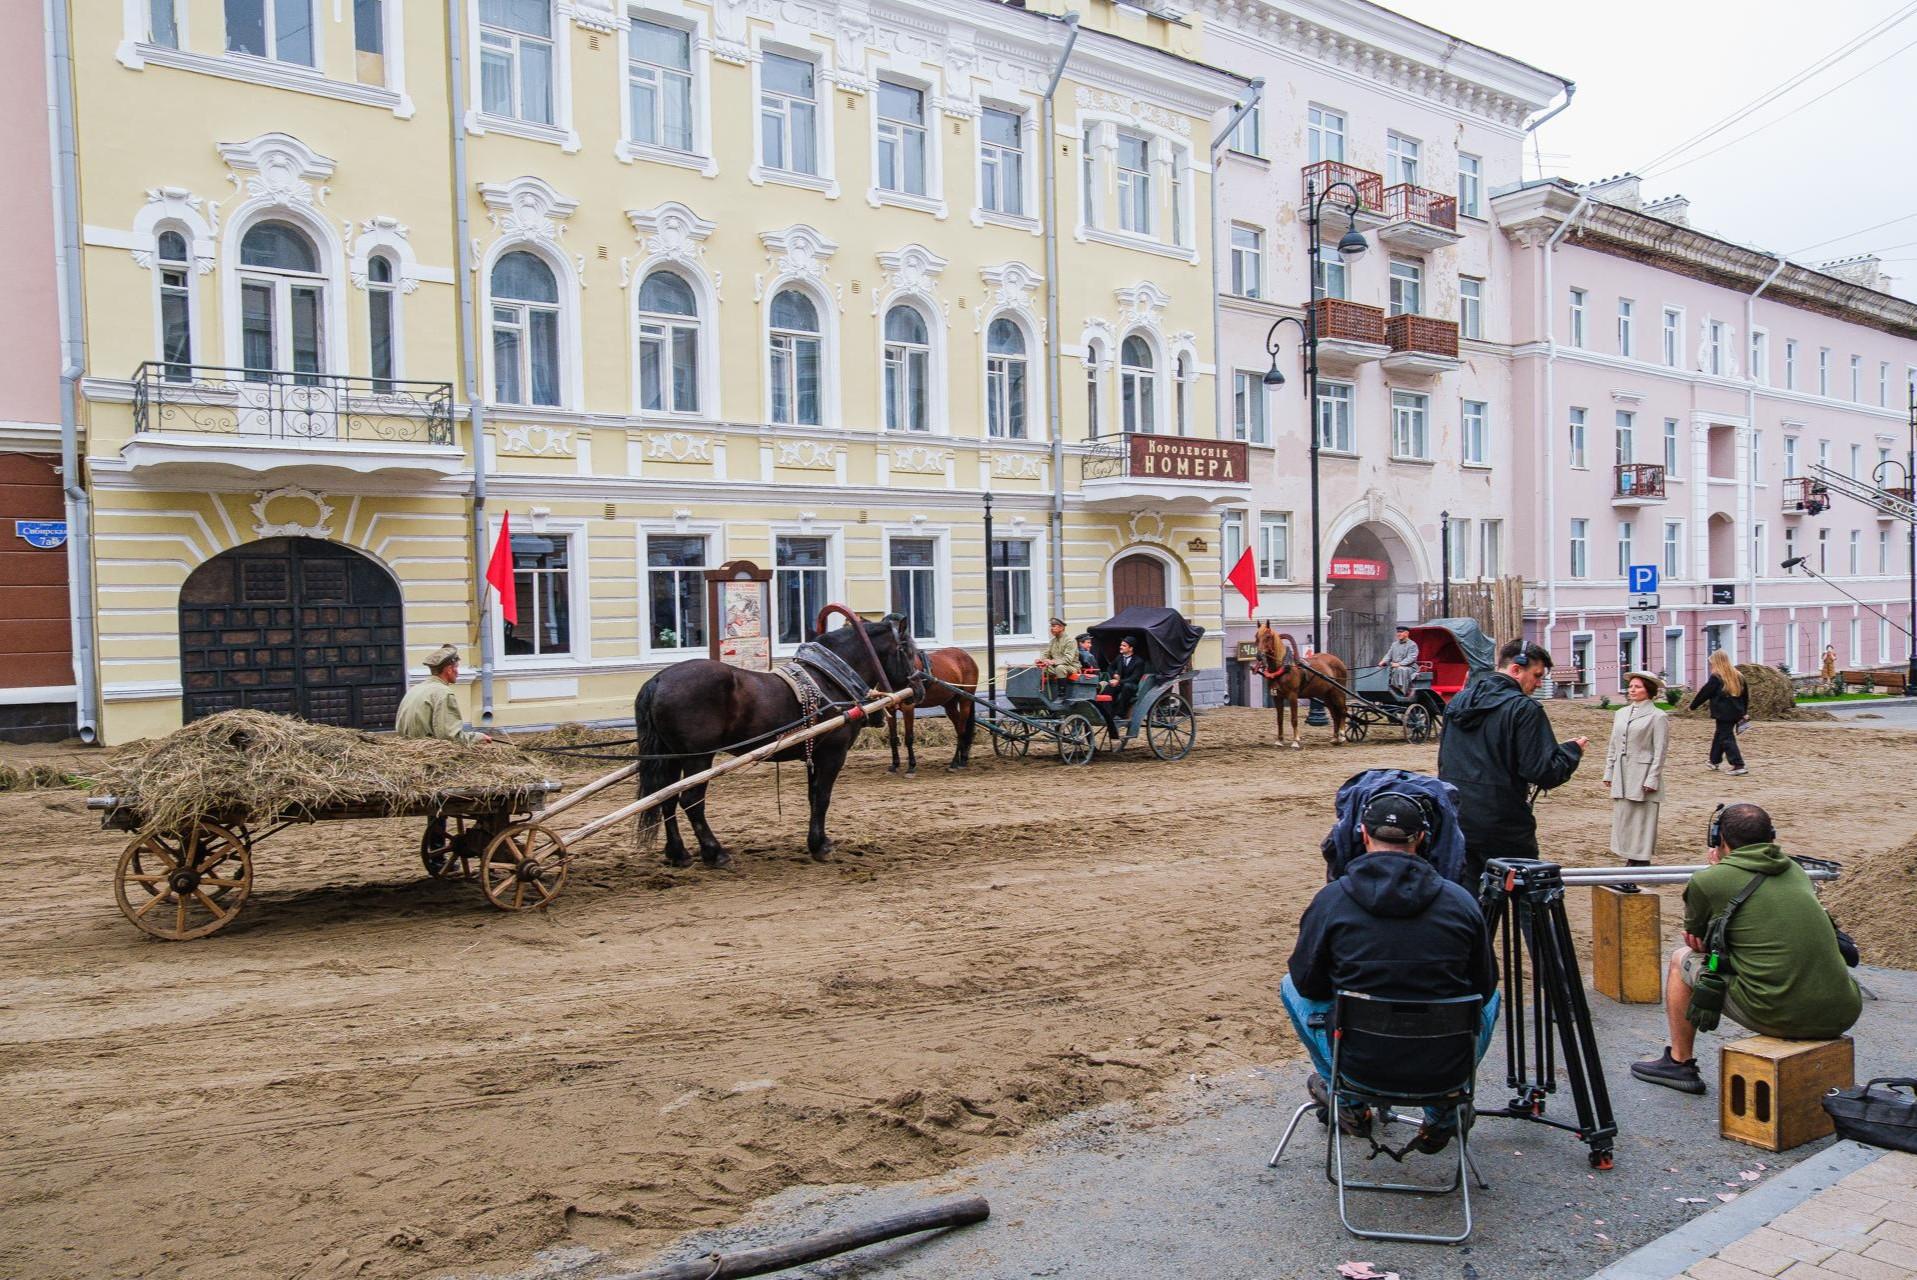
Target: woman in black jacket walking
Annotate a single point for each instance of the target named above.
(1729, 702)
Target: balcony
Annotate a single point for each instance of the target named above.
(1637, 484)
(1320, 177)
(251, 421)
(1139, 472)
(1419, 220)
(1421, 345)
(1349, 333)
(1804, 496)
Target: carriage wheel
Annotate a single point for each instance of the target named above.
(1356, 730)
(1077, 740)
(1417, 723)
(1010, 737)
(445, 848)
(184, 887)
(1171, 728)
(524, 866)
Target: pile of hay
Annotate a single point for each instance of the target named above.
(1875, 901)
(33, 777)
(251, 767)
(1771, 697)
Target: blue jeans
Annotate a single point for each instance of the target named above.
(1317, 1040)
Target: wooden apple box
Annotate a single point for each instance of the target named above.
(1627, 960)
(1771, 1092)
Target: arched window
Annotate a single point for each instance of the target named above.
(176, 307)
(525, 331)
(794, 353)
(1138, 386)
(382, 320)
(282, 301)
(908, 370)
(668, 345)
(1005, 369)
(1094, 381)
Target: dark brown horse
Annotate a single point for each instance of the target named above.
(1290, 678)
(955, 667)
(690, 711)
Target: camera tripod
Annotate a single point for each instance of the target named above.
(1523, 901)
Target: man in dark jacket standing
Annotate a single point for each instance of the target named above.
(1391, 927)
(1497, 745)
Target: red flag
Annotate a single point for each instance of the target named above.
(1244, 576)
(499, 570)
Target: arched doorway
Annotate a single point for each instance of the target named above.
(296, 626)
(1366, 594)
(1138, 579)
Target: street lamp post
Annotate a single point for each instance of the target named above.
(1910, 496)
(1351, 245)
(1444, 543)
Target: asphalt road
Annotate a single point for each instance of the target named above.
(1894, 713)
(1116, 1193)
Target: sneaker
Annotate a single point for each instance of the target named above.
(1739, 772)
(1433, 1138)
(1711, 767)
(1669, 1072)
(1353, 1122)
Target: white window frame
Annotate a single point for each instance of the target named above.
(1823, 372)
(1672, 337)
(1247, 261)
(1035, 583)
(1760, 370)
(1470, 185)
(1673, 446)
(700, 324)
(1672, 552)
(560, 130)
(824, 121)
(392, 289)
(1474, 430)
(1490, 548)
(1334, 274)
(1626, 328)
(1027, 131)
(282, 282)
(1325, 126)
(1340, 434)
(566, 309)
(1035, 427)
(1268, 564)
(1574, 329)
(1250, 416)
(828, 345)
(1248, 135)
(1674, 671)
(1457, 532)
(269, 25)
(1714, 348)
(1578, 451)
(1410, 426)
(1626, 545)
(1133, 187)
(1624, 425)
(1147, 385)
(942, 631)
(1857, 379)
(1883, 384)
(887, 362)
(1790, 457)
(1471, 307)
(1406, 276)
(886, 128)
(188, 273)
(714, 534)
(1404, 159)
(672, 13)
(579, 587)
(1578, 544)
(834, 538)
(1790, 364)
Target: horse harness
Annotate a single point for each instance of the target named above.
(812, 662)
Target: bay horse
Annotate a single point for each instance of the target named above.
(692, 709)
(955, 667)
(1291, 678)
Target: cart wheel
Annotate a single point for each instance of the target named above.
(1417, 723)
(1011, 737)
(1356, 730)
(1077, 741)
(524, 866)
(184, 887)
(446, 848)
(1171, 728)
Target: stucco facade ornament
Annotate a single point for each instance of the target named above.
(671, 231)
(602, 16)
(1138, 112)
(1147, 526)
(536, 442)
(731, 41)
(853, 34)
(920, 459)
(1140, 304)
(914, 269)
(1010, 286)
(1375, 504)
(798, 251)
(376, 234)
(1097, 336)
(198, 218)
(1018, 466)
(527, 208)
(677, 446)
(812, 455)
(277, 168)
(321, 511)
(961, 88)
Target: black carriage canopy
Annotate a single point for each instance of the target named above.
(1169, 640)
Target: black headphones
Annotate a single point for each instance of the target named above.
(1425, 807)
(1714, 832)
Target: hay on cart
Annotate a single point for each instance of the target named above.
(253, 767)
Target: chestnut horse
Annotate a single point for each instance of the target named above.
(955, 667)
(1291, 678)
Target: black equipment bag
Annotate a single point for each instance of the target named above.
(1879, 1117)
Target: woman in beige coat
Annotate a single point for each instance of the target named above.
(1634, 768)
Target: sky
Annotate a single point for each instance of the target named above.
(1652, 73)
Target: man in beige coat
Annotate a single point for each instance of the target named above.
(1634, 769)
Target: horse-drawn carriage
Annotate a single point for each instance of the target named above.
(1074, 712)
(1451, 653)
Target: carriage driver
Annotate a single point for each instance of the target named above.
(1060, 659)
(1401, 661)
(430, 708)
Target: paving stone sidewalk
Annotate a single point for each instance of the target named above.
(1863, 1228)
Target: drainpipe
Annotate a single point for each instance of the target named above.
(1238, 114)
(468, 352)
(73, 358)
(1550, 420)
(1053, 410)
(1750, 417)
(1570, 92)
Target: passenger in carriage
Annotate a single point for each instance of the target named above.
(1087, 656)
(1122, 682)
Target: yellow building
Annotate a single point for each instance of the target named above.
(704, 282)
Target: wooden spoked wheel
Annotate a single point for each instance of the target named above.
(188, 886)
(445, 848)
(1417, 723)
(1356, 730)
(1077, 740)
(1010, 737)
(1171, 728)
(524, 866)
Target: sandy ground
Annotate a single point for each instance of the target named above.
(374, 1074)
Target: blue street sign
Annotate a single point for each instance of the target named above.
(1643, 579)
(45, 534)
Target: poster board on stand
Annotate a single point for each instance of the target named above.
(739, 603)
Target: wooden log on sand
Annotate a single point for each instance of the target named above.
(825, 1244)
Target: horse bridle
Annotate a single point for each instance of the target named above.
(857, 624)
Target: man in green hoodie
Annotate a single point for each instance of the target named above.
(1788, 979)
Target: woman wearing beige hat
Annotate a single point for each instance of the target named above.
(1634, 768)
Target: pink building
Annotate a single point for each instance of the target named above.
(1713, 410)
(1415, 399)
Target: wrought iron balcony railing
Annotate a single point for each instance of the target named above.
(1339, 320)
(1415, 204)
(1322, 175)
(1423, 334)
(1639, 480)
(278, 405)
(1805, 496)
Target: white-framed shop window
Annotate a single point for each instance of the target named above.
(1014, 588)
(805, 574)
(916, 570)
(550, 590)
(674, 588)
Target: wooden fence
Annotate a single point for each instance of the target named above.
(1495, 604)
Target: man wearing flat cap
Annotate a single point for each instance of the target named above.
(1401, 661)
(1060, 659)
(430, 708)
